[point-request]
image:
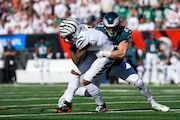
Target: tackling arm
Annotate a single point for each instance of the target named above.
(115, 54)
(121, 52)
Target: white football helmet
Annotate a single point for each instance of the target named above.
(69, 29)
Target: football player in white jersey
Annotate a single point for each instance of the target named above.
(86, 42)
(120, 36)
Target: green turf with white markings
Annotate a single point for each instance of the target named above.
(36, 102)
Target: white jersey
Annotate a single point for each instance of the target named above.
(96, 38)
(91, 65)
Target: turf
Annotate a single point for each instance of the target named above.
(36, 102)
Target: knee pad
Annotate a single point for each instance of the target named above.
(132, 78)
(139, 84)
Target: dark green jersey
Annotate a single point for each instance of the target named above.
(148, 13)
(152, 46)
(122, 34)
(162, 57)
(42, 49)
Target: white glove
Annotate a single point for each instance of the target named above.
(101, 54)
(49, 56)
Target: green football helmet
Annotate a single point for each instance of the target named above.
(111, 23)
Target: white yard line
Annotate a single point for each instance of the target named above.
(120, 102)
(78, 113)
(56, 98)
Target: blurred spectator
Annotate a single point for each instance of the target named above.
(95, 13)
(152, 48)
(150, 25)
(148, 13)
(142, 26)
(9, 61)
(173, 19)
(61, 10)
(122, 9)
(84, 12)
(106, 6)
(95, 9)
(132, 21)
(132, 56)
(3, 31)
(1, 50)
(74, 9)
(143, 3)
(163, 14)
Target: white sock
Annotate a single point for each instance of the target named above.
(95, 93)
(152, 101)
(145, 91)
(80, 91)
(72, 87)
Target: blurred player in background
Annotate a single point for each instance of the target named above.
(152, 49)
(162, 66)
(132, 56)
(42, 56)
(173, 73)
(85, 43)
(120, 37)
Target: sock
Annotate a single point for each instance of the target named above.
(95, 93)
(152, 101)
(145, 91)
(72, 87)
(80, 91)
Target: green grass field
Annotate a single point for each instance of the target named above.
(124, 102)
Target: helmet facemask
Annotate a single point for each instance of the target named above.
(111, 23)
(71, 38)
(112, 31)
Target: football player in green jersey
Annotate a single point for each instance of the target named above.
(42, 54)
(120, 37)
(152, 49)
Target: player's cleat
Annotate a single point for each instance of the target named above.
(101, 108)
(67, 108)
(159, 107)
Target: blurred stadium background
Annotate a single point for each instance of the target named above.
(24, 21)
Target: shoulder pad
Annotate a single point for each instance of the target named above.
(84, 27)
(126, 33)
(100, 24)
